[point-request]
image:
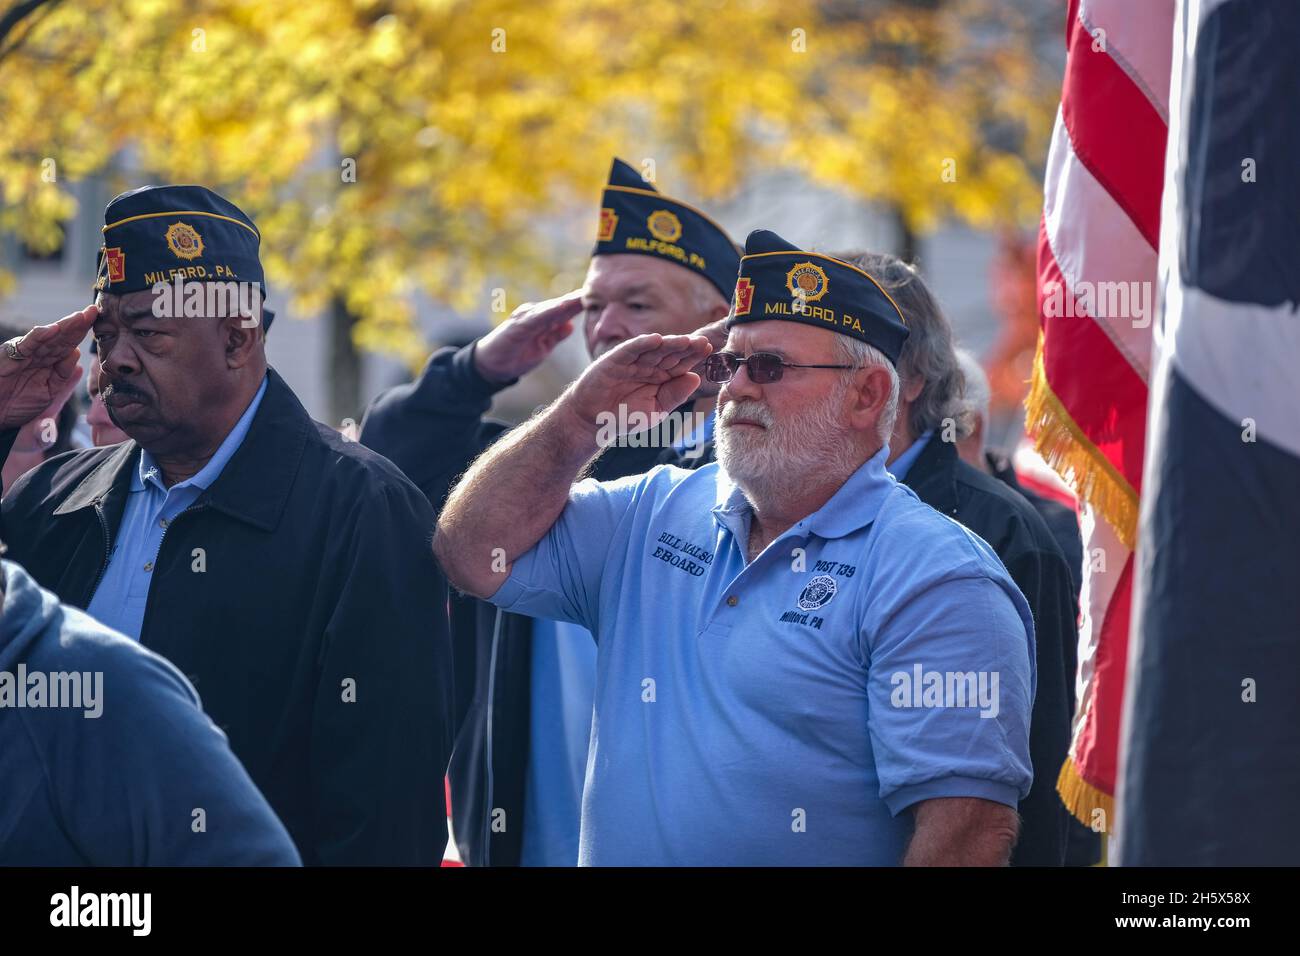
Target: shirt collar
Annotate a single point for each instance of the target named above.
(148, 472)
(853, 506)
(903, 463)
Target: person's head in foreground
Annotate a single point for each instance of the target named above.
(818, 393)
(179, 337)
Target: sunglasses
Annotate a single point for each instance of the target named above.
(763, 367)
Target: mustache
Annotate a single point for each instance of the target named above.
(748, 410)
(109, 388)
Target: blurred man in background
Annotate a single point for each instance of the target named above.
(102, 430)
(50, 433)
(525, 687)
(1083, 846)
(923, 455)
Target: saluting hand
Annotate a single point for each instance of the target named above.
(650, 375)
(521, 343)
(40, 368)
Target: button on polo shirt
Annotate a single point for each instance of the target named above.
(788, 710)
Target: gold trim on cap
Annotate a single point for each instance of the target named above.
(676, 202)
(182, 212)
(847, 265)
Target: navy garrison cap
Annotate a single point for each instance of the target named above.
(160, 233)
(779, 281)
(635, 217)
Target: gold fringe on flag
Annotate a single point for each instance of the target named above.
(1083, 799)
(1076, 459)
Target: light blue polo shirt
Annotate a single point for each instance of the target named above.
(123, 591)
(789, 710)
(903, 463)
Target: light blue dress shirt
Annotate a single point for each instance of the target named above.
(119, 600)
(757, 713)
(903, 463)
(559, 731)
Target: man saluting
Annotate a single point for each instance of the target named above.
(285, 571)
(799, 661)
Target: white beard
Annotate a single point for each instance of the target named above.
(772, 464)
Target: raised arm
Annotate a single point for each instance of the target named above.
(433, 427)
(512, 495)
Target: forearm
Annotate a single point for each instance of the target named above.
(511, 497)
(962, 831)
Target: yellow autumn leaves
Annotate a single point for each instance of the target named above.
(391, 147)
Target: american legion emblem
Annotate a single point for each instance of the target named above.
(664, 225)
(184, 241)
(817, 593)
(807, 281)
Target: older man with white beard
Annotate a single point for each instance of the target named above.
(799, 662)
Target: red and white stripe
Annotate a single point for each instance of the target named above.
(1101, 224)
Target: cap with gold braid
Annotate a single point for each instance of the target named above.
(637, 218)
(161, 233)
(779, 281)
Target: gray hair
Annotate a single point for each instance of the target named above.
(928, 355)
(858, 353)
(977, 392)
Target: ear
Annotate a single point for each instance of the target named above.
(868, 399)
(242, 339)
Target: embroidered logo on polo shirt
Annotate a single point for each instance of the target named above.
(817, 592)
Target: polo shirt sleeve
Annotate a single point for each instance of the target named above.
(560, 577)
(926, 743)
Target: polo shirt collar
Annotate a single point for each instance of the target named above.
(852, 507)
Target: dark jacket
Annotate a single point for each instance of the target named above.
(1083, 846)
(300, 596)
(432, 429)
(1015, 531)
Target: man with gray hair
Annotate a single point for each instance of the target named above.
(799, 663)
(1083, 846)
(933, 418)
(525, 684)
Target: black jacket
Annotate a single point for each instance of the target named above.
(1015, 531)
(432, 429)
(303, 576)
(1083, 846)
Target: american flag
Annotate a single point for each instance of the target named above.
(1087, 407)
